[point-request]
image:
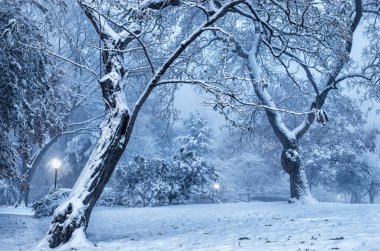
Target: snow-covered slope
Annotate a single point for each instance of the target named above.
(240, 226)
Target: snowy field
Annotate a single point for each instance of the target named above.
(238, 226)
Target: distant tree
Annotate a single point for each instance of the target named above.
(196, 176)
(244, 174)
(198, 135)
(143, 182)
(354, 178)
(339, 165)
(321, 146)
(374, 185)
(76, 154)
(9, 192)
(372, 159)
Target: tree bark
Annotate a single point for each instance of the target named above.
(356, 198)
(292, 164)
(372, 193)
(371, 199)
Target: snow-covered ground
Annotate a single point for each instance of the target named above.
(238, 226)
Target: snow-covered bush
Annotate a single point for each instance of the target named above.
(186, 178)
(154, 182)
(47, 205)
(108, 198)
(8, 192)
(143, 182)
(194, 178)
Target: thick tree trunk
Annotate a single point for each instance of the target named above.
(290, 157)
(372, 195)
(371, 199)
(356, 198)
(291, 163)
(73, 215)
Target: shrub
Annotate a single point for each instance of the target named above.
(47, 205)
(154, 182)
(108, 198)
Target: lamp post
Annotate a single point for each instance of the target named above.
(216, 186)
(56, 164)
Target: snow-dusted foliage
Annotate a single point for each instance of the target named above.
(154, 182)
(8, 192)
(144, 182)
(7, 158)
(108, 198)
(77, 152)
(341, 165)
(47, 205)
(33, 101)
(198, 137)
(196, 176)
(24, 75)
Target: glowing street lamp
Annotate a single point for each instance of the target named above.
(56, 164)
(216, 186)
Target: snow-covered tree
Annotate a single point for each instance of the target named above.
(24, 79)
(121, 33)
(198, 135)
(196, 177)
(265, 56)
(77, 152)
(143, 182)
(340, 165)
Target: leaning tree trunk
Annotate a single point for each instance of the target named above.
(74, 213)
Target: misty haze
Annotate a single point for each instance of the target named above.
(189, 125)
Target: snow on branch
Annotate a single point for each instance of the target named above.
(221, 102)
(176, 53)
(158, 4)
(44, 49)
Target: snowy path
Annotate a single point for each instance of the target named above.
(258, 225)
